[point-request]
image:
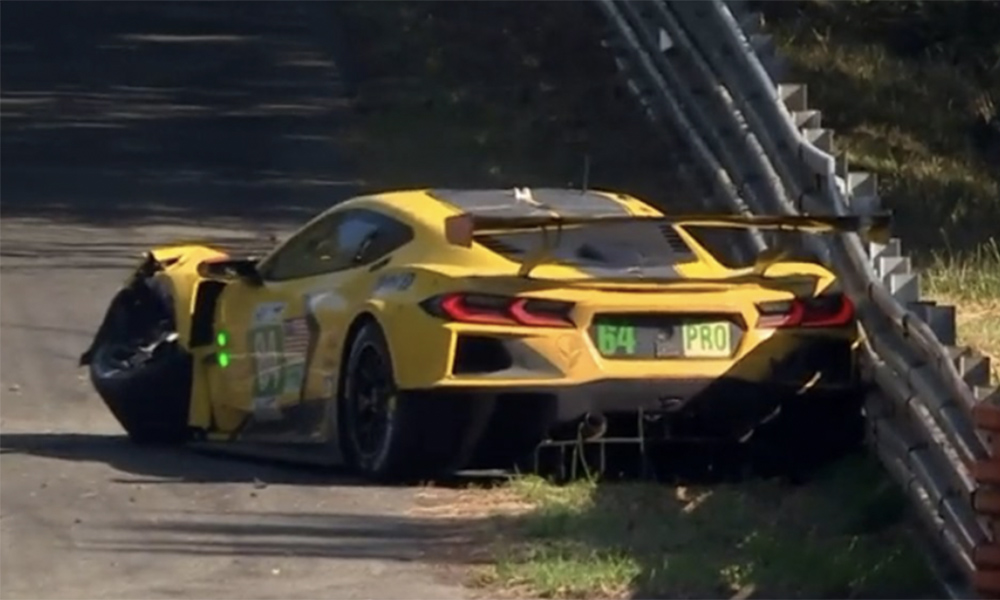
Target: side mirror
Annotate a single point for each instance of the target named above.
(244, 269)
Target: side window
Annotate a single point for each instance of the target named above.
(374, 235)
(354, 235)
(308, 253)
(344, 240)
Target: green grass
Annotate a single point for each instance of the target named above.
(843, 535)
(912, 90)
(920, 119)
(972, 282)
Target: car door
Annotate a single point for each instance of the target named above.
(285, 330)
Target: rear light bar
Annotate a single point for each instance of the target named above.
(488, 309)
(830, 310)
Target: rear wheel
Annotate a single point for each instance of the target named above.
(388, 436)
(143, 376)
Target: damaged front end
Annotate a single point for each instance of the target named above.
(142, 300)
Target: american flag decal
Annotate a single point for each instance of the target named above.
(296, 336)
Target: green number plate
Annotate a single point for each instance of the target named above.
(616, 340)
(707, 340)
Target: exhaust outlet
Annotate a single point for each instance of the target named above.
(593, 426)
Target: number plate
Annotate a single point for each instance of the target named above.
(663, 337)
(616, 339)
(707, 340)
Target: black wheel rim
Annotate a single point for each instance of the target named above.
(371, 393)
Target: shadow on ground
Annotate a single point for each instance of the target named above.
(204, 532)
(151, 464)
(163, 464)
(839, 533)
(320, 535)
(122, 112)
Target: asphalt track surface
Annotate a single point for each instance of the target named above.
(126, 125)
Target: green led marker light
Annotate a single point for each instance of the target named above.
(221, 339)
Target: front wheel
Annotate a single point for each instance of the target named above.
(390, 437)
(144, 378)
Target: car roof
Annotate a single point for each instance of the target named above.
(427, 208)
(431, 205)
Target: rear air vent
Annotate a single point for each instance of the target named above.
(674, 239)
(480, 354)
(497, 245)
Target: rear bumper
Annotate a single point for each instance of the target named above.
(724, 407)
(818, 364)
(715, 407)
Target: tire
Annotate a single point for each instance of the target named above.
(391, 437)
(148, 398)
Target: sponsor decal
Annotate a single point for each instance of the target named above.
(296, 333)
(569, 349)
(662, 346)
(279, 352)
(323, 299)
(266, 348)
(294, 374)
(268, 312)
(394, 282)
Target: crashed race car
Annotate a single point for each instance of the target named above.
(419, 333)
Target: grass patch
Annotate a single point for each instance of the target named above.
(913, 91)
(972, 282)
(843, 535)
(909, 103)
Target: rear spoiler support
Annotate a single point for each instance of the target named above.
(461, 229)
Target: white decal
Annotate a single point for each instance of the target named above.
(265, 342)
(394, 282)
(327, 300)
(268, 312)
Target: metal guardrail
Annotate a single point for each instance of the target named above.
(934, 421)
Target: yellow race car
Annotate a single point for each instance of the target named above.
(421, 332)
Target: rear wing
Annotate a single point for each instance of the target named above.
(461, 229)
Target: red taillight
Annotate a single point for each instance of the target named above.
(499, 310)
(473, 309)
(831, 310)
